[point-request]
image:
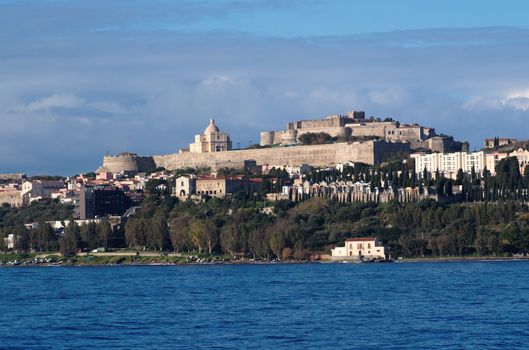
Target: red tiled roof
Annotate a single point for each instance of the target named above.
(358, 239)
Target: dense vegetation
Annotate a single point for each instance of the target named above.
(35, 212)
(238, 226)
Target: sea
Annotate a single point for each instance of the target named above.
(429, 305)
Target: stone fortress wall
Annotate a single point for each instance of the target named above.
(334, 125)
(369, 152)
(127, 162)
(387, 137)
(353, 124)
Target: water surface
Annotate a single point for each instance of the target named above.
(472, 305)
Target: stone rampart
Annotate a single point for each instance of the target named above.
(369, 152)
(128, 163)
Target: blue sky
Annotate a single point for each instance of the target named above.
(82, 78)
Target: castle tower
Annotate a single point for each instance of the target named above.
(211, 140)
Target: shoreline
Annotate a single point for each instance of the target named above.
(466, 259)
(90, 263)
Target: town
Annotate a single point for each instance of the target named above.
(258, 201)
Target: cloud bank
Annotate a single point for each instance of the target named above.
(66, 100)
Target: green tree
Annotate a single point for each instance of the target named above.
(494, 244)
(229, 239)
(157, 233)
(179, 233)
(204, 235)
(258, 243)
(135, 233)
(277, 243)
(3, 243)
(300, 253)
(22, 239)
(69, 241)
(89, 235)
(41, 238)
(481, 241)
(104, 230)
(68, 244)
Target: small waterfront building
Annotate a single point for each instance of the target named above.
(358, 248)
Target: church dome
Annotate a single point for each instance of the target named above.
(212, 128)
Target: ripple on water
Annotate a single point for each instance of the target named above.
(391, 306)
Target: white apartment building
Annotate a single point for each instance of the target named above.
(448, 164)
(492, 159)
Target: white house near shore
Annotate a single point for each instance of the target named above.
(358, 248)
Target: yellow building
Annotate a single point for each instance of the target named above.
(359, 248)
(212, 140)
(220, 186)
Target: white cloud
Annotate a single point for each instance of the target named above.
(150, 95)
(53, 101)
(389, 97)
(517, 101)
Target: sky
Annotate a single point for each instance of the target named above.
(79, 79)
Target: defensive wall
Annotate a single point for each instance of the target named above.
(369, 152)
(127, 162)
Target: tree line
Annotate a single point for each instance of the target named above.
(237, 227)
(43, 238)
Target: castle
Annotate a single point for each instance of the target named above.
(354, 125)
(358, 139)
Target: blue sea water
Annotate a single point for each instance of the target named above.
(457, 305)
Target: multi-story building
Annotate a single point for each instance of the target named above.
(474, 160)
(359, 248)
(448, 164)
(220, 186)
(98, 201)
(492, 159)
(40, 189)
